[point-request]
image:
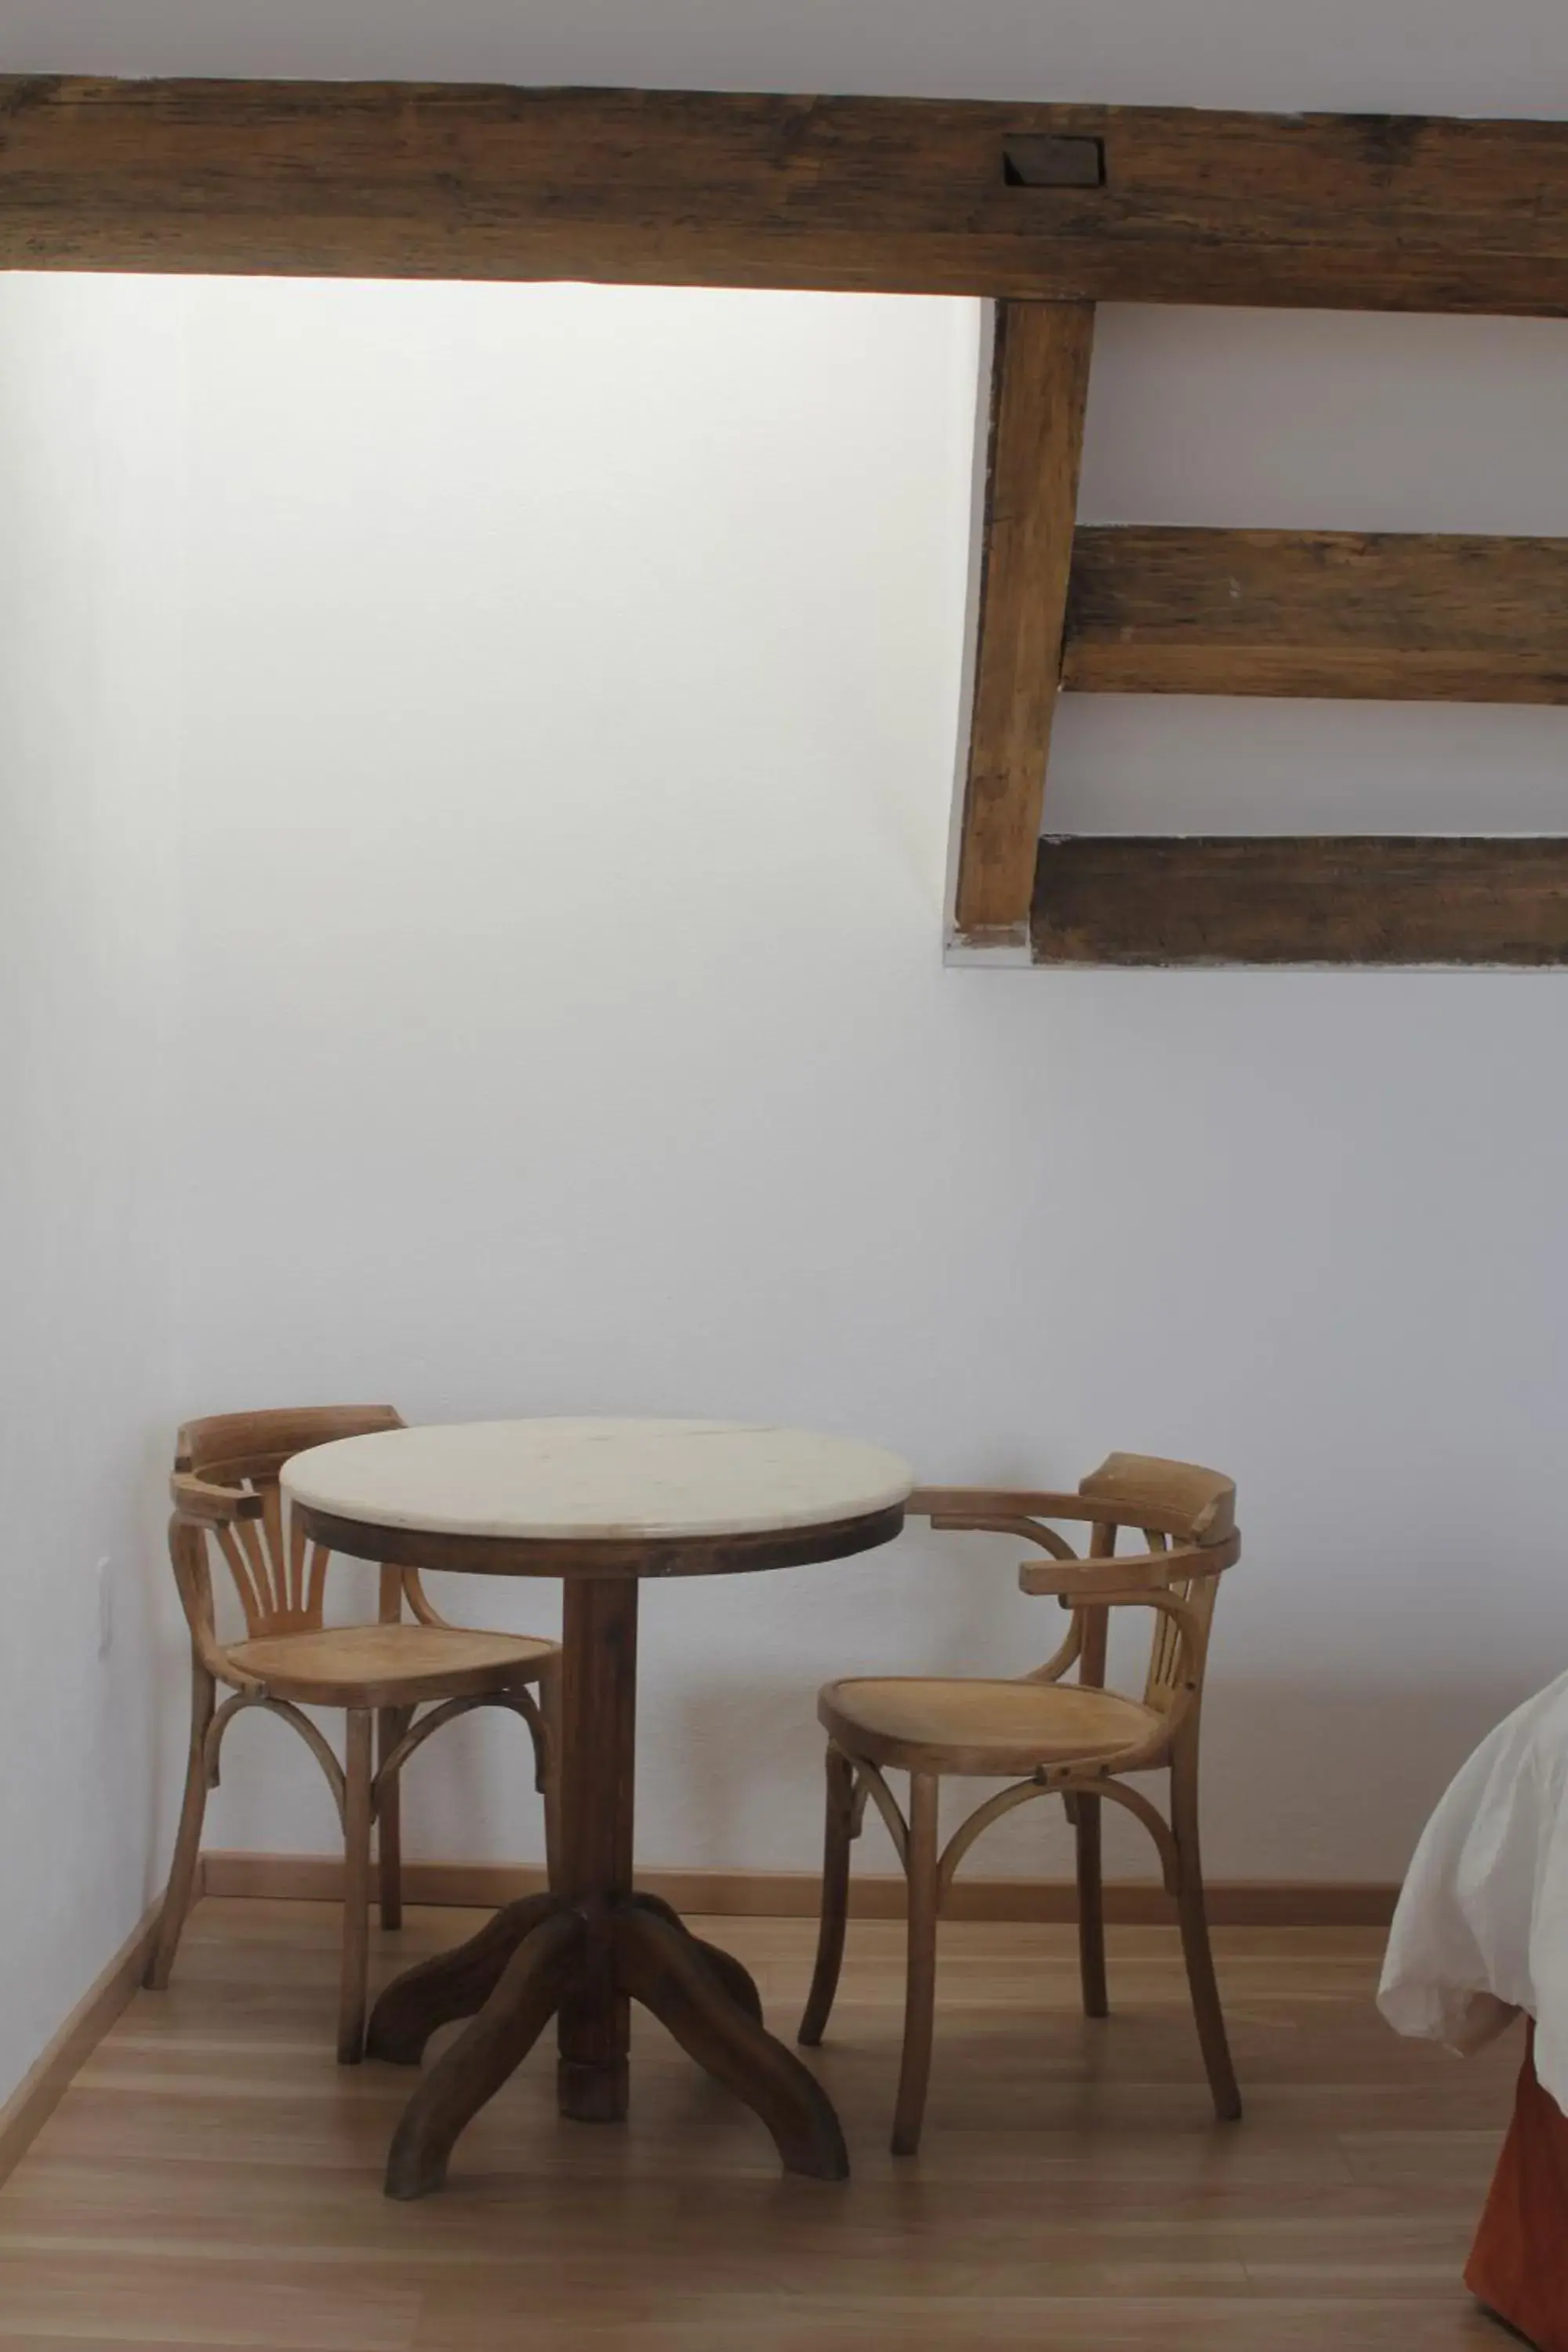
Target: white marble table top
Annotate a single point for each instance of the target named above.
(609, 1479)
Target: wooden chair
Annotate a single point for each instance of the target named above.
(1077, 1740)
(226, 1491)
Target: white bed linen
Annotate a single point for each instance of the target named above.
(1481, 1930)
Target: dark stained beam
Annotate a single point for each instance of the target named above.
(1040, 384)
(1353, 898)
(1391, 617)
(1055, 203)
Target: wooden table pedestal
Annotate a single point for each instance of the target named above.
(585, 1951)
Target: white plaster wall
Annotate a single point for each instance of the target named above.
(571, 686)
(703, 1123)
(1443, 55)
(88, 591)
(1302, 420)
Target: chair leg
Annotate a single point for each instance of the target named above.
(189, 1839)
(391, 1723)
(356, 1966)
(1087, 1818)
(1195, 1949)
(837, 1835)
(920, 1988)
(550, 1709)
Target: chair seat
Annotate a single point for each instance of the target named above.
(389, 1665)
(926, 1723)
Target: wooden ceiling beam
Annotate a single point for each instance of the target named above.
(1384, 616)
(1048, 210)
(1350, 899)
(1039, 388)
(911, 195)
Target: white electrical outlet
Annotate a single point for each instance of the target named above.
(105, 1611)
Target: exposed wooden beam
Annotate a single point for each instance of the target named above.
(1385, 616)
(1055, 203)
(1049, 209)
(1354, 899)
(1040, 384)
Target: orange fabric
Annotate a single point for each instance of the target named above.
(1518, 2263)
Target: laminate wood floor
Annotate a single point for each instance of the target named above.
(213, 2178)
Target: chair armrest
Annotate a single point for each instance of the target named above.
(196, 1499)
(983, 1512)
(1179, 1499)
(1101, 1581)
(964, 1506)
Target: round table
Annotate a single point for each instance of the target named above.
(600, 1503)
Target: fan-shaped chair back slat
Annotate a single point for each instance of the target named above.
(226, 1480)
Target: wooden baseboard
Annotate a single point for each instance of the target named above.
(41, 2089)
(793, 1893)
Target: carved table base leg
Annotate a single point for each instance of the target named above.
(454, 1984)
(670, 1973)
(490, 2049)
(731, 1973)
(593, 2072)
(588, 1950)
(703, 1996)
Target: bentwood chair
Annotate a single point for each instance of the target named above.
(1047, 1736)
(226, 1492)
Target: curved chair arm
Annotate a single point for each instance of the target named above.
(979, 1507)
(1104, 1581)
(207, 1505)
(999, 1523)
(1128, 1490)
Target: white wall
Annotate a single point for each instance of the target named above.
(701, 1122)
(88, 578)
(1302, 420)
(571, 685)
(1440, 56)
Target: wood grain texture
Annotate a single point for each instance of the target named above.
(668, 1971)
(226, 1492)
(841, 1823)
(731, 1973)
(491, 2046)
(1383, 615)
(601, 1947)
(612, 1556)
(211, 2178)
(1040, 384)
(912, 195)
(409, 2011)
(1352, 898)
(794, 1893)
(1048, 1737)
(598, 1811)
(931, 1723)
(391, 1665)
(24, 2114)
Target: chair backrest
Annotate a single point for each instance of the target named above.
(1187, 1516)
(225, 1484)
(1184, 1512)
